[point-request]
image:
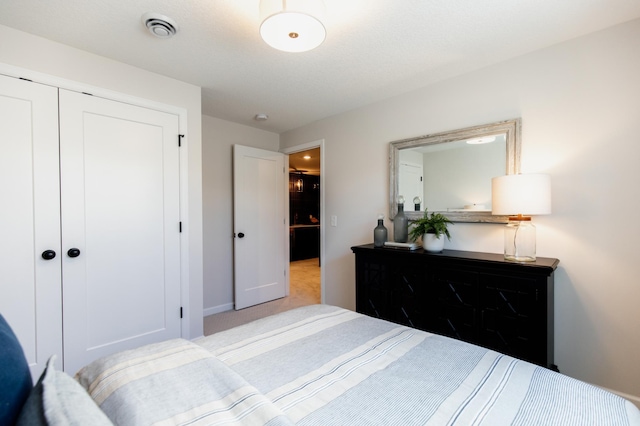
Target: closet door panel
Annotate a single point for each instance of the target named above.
(30, 289)
(120, 209)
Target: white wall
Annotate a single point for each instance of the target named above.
(19, 49)
(454, 178)
(580, 106)
(218, 138)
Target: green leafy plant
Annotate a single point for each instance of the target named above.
(433, 223)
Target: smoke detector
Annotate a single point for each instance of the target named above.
(159, 25)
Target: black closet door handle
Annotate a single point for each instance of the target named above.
(241, 235)
(73, 252)
(48, 254)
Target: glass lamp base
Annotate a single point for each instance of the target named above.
(520, 240)
(520, 258)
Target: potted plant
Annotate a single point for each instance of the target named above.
(431, 227)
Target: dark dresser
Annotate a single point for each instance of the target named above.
(471, 296)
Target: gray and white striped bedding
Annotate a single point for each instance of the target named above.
(322, 365)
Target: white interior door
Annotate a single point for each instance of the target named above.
(120, 210)
(30, 291)
(260, 226)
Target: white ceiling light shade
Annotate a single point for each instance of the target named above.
(159, 25)
(292, 25)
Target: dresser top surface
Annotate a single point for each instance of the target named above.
(540, 262)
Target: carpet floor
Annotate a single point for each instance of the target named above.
(304, 289)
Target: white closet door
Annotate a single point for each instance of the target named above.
(120, 210)
(30, 292)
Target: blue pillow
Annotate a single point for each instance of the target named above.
(15, 377)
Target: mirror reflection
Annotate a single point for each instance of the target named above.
(451, 172)
(452, 176)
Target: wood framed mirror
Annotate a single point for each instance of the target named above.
(451, 171)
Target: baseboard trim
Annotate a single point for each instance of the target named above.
(217, 309)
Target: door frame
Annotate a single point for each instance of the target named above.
(62, 83)
(305, 147)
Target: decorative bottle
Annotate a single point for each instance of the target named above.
(380, 233)
(400, 223)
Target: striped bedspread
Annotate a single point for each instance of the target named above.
(322, 365)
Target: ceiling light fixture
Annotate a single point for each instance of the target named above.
(261, 117)
(292, 25)
(159, 25)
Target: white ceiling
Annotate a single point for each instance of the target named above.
(375, 49)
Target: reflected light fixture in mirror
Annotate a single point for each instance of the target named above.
(292, 25)
(521, 195)
(480, 141)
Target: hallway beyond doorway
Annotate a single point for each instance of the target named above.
(304, 285)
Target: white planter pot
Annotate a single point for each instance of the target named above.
(432, 244)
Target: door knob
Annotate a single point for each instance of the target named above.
(48, 254)
(73, 252)
(241, 235)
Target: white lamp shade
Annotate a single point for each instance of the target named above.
(292, 25)
(527, 194)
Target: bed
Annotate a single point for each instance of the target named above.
(323, 365)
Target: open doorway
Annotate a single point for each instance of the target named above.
(305, 227)
(305, 276)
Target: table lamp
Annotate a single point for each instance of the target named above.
(520, 196)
